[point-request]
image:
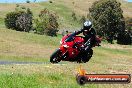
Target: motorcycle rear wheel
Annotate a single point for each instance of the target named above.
(54, 58)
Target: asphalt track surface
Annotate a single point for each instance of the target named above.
(20, 62)
(17, 62)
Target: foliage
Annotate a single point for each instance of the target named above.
(19, 20)
(50, 1)
(110, 39)
(17, 5)
(20, 8)
(47, 23)
(107, 17)
(129, 24)
(124, 38)
(27, 1)
(24, 22)
(10, 20)
(23, 7)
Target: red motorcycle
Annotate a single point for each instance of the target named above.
(70, 49)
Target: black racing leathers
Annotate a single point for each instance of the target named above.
(89, 38)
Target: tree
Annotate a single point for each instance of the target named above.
(124, 38)
(129, 25)
(19, 20)
(107, 17)
(24, 21)
(10, 19)
(27, 1)
(47, 23)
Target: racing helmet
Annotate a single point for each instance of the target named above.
(87, 25)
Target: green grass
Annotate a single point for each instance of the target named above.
(116, 51)
(17, 44)
(64, 13)
(38, 81)
(23, 58)
(28, 47)
(2, 23)
(22, 37)
(18, 80)
(51, 76)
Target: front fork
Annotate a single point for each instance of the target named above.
(65, 55)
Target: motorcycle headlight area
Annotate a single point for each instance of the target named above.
(66, 46)
(61, 41)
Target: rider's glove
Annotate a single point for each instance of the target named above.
(82, 48)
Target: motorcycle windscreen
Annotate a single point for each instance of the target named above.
(70, 38)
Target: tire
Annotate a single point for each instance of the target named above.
(54, 58)
(81, 80)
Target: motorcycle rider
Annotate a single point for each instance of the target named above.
(88, 33)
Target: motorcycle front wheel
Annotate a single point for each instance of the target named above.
(55, 58)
